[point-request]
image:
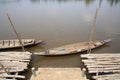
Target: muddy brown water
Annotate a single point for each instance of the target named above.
(61, 22)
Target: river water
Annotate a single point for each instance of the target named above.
(61, 22)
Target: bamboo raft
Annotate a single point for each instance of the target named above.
(13, 62)
(15, 43)
(73, 48)
(105, 65)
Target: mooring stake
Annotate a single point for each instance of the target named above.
(33, 72)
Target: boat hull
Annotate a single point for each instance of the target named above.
(8, 44)
(73, 48)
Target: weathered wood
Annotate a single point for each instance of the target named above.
(109, 76)
(72, 48)
(6, 44)
(12, 70)
(14, 62)
(14, 67)
(4, 68)
(105, 71)
(105, 55)
(12, 76)
(92, 32)
(16, 56)
(18, 37)
(6, 79)
(107, 68)
(11, 59)
(22, 64)
(99, 61)
(104, 64)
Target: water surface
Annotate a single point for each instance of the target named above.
(61, 22)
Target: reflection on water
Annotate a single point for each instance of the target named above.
(88, 2)
(113, 2)
(36, 1)
(8, 1)
(61, 22)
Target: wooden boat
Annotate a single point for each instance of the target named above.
(73, 48)
(6, 44)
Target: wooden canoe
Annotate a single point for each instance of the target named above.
(7, 44)
(73, 48)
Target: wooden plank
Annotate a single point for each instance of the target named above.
(18, 53)
(13, 63)
(12, 59)
(108, 76)
(16, 70)
(14, 67)
(102, 66)
(6, 79)
(106, 71)
(16, 56)
(102, 63)
(9, 66)
(12, 76)
(112, 68)
(100, 55)
(19, 58)
(104, 58)
(96, 54)
(105, 61)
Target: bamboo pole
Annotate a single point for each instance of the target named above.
(91, 39)
(16, 32)
(92, 32)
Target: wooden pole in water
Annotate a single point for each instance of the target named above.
(15, 32)
(92, 32)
